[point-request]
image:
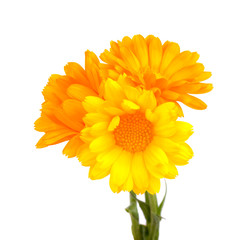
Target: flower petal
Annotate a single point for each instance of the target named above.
(155, 54)
(141, 50)
(171, 51)
(139, 172)
(120, 170)
(113, 91)
(102, 143)
(79, 92)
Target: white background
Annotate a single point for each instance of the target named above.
(44, 195)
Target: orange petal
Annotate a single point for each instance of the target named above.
(55, 137)
(192, 102)
(155, 54)
(92, 70)
(130, 59)
(45, 124)
(189, 72)
(141, 50)
(195, 88)
(171, 51)
(79, 92)
(170, 95)
(75, 71)
(203, 76)
(74, 109)
(73, 146)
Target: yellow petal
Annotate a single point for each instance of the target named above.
(113, 110)
(156, 161)
(167, 145)
(173, 172)
(129, 184)
(154, 185)
(96, 172)
(129, 106)
(147, 100)
(92, 118)
(139, 172)
(183, 131)
(92, 104)
(166, 112)
(86, 157)
(182, 156)
(132, 93)
(98, 129)
(120, 169)
(104, 162)
(102, 143)
(164, 129)
(108, 158)
(114, 123)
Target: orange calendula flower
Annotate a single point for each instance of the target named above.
(62, 111)
(171, 74)
(131, 138)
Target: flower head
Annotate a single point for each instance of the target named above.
(62, 111)
(131, 138)
(171, 74)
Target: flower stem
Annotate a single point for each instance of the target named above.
(153, 225)
(134, 217)
(152, 214)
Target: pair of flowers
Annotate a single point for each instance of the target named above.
(120, 117)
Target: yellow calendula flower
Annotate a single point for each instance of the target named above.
(62, 111)
(131, 138)
(171, 74)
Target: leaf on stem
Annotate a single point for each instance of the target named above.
(159, 210)
(144, 207)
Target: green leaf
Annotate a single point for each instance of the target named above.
(159, 210)
(132, 210)
(145, 209)
(144, 232)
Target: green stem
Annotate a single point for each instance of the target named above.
(153, 225)
(134, 217)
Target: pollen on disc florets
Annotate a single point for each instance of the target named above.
(134, 132)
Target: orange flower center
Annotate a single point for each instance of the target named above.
(134, 132)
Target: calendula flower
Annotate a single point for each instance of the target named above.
(131, 138)
(171, 74)
(62, 111)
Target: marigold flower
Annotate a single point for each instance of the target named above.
(62, 110)
(131, 138)
(171, 74)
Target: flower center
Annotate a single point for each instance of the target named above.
(134, 132)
